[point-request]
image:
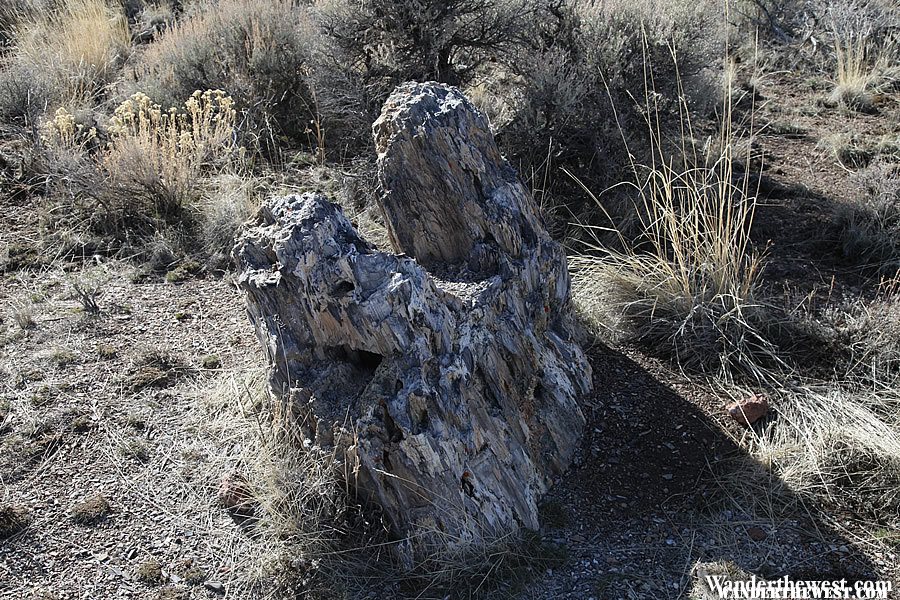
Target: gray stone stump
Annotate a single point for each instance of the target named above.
(444, 374)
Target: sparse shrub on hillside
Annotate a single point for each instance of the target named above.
(774, 18)
(259, 52)
(870, 228)
(64, 56)
(854, 340)
(874, 338)
(580, 92)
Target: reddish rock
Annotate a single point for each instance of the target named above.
(749, 410)
(235, 492)
(757, 534)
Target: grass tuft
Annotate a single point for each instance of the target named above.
(689, 286)
(91, 509)
(870, 227)
(67, 54)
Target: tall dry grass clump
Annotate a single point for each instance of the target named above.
(853, 78)
(688, 285)
(575, 87)
(66, 55)
(866, 50)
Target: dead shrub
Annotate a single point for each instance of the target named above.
(580, 93)
(393, 42)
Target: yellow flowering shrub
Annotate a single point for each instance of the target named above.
(171, 149)
(154, 155)
(63, 131)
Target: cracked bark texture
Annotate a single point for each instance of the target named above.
(445, 373)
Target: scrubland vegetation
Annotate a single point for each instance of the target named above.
(136, 136)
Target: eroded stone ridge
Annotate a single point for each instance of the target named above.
(445, 374)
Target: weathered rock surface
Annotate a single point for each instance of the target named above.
(445, 375)
(749, 410)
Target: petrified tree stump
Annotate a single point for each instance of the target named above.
(445, 375)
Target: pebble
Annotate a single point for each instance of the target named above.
(214, 586)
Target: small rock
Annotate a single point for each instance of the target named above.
(757, 534)
(235, 493)
(211, 362)
(214, 586)
(749, 410)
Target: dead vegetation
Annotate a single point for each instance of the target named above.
(13, 519)
(91, 510)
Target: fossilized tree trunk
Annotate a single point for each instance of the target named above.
(444, 374)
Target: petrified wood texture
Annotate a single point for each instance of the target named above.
(445, 374)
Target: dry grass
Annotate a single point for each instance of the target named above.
(831, 459)
(15, 12)
(228, 201)
(871, 225)
(854, 77)
(22, 312)
(866, 52)
(689, 285)
(838, 447)
(259, 53)
(296, 501)
(299, 527)
(77, 48)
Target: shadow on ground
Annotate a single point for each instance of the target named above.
(648, 499)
